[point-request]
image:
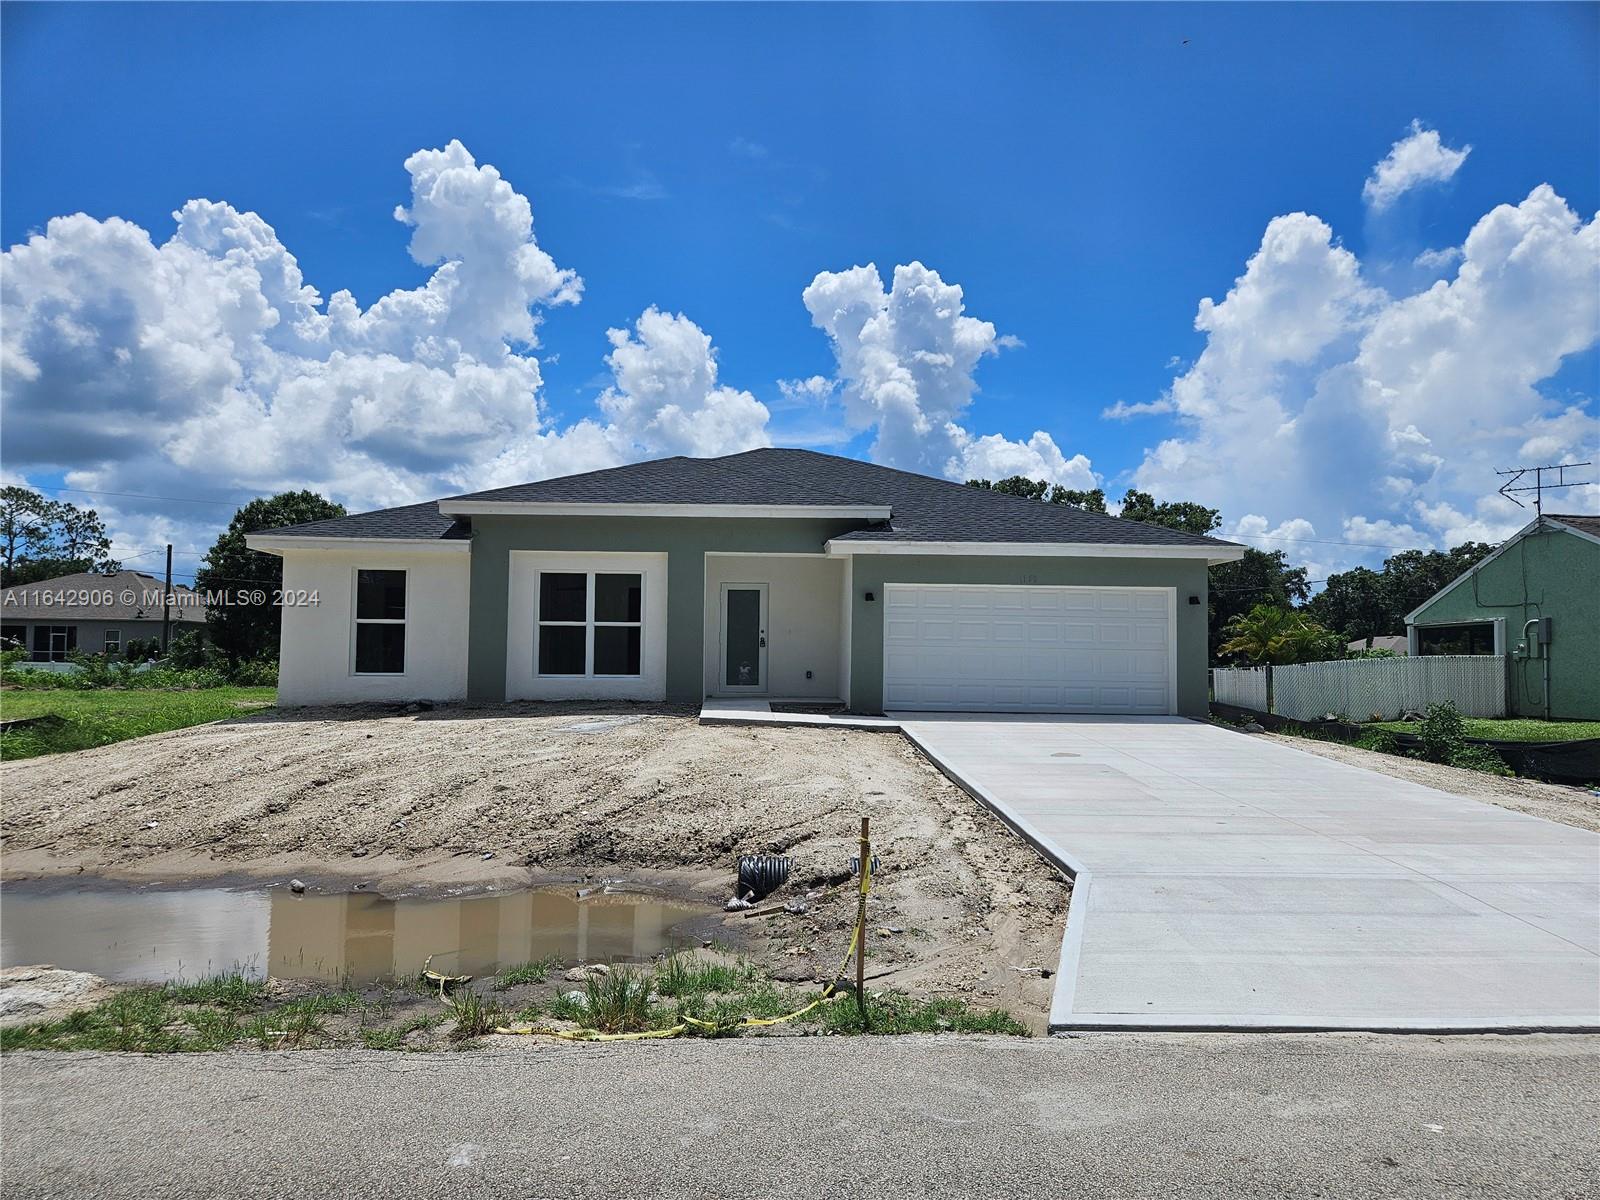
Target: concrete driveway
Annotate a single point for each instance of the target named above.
(1225, 882)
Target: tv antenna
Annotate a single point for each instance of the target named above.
(1538, 487)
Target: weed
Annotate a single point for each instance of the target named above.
(618, 1002)
(692, 975)
(569, 1006)
(1379, 740)
(474, 1015)
(232, 991)
(528, 972)
(215, 1029)
(375, 1037)
(1442, 732)
(895, 1012)
(1480, 758)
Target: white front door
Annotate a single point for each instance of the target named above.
(1000, 648)
(744, 638)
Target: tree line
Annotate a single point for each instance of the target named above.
(1261, 609)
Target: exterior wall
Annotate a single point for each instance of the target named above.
(522, 678)
(316, 651)
(803, 613)
(870, 572)
(1548, 573)
(685, 542)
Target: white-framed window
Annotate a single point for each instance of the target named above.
(590, 624)
(113, 641)
(379, 641)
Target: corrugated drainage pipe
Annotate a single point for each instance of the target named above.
(760, 874)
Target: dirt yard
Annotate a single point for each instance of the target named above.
(1554, 802)
(514, 795)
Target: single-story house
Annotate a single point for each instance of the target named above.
(98, 614)
(781, 575)
(1537, 599)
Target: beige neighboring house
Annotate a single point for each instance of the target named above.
(1395, 643)
(97, 614)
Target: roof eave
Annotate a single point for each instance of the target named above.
(1211, 554)
(268, 544)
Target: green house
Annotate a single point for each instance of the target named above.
(1536, 599)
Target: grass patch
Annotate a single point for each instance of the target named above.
(523, 973)
(895, 1012)
(230, 990)
(101, 717)
(692, 975)
(475, 1016)
(618, 1002)
(1509, 729)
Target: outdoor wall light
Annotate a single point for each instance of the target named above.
(1194, 599)
(870, 597)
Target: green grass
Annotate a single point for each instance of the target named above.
(894, 1012)
(1510, 729)
(104, 716)
(685, 975)
(528, 972)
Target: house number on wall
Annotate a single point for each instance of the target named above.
(1030, 579)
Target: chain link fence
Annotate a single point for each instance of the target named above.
(1364, 688)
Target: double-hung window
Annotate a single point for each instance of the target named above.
(591, 623)
(380, 623)
(113, 641)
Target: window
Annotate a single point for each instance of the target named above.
(1474, 638)
(380, 623)
(590, 623)
(52, 643)
(113, 642)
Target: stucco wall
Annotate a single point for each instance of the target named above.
(685, 542)
(803, 613)
(1549, 573)
(316, 649)
(872, 571)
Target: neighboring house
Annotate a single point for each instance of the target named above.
(97, 614)
(1394, 643)
(1548, 569)
(772, 574)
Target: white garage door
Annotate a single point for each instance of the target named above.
(1028, 649)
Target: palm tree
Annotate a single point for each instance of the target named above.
(1269, 634)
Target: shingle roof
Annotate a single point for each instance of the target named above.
(924, 509)
(129, 596)
(413, 521)
(1587, 522)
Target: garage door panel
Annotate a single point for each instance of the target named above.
(1027, 649)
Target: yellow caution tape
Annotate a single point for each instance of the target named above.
(595, 1035)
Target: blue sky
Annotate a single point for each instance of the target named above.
(1085, 175)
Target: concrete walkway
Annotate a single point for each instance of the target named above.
(1225, 882)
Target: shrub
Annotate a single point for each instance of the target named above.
(259, 673)
(1480, 758)
(1380, 740)
(1443, 732)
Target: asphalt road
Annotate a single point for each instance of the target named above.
(1146, 1115)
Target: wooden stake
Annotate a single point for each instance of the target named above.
(861, 924)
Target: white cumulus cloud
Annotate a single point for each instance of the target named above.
(907, 357)
(206, 366)
(1418, 158)
(1320, 397)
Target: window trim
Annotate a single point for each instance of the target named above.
(1496, 628)
(356, 621)
(589, 624)
(106, 646)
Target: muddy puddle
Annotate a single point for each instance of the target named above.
(158, 936)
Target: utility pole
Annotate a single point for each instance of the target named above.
(1538, 487)
(166, 606)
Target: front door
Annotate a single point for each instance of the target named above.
(744, 637)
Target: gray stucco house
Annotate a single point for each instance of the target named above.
(782, 575)
(97, 614)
